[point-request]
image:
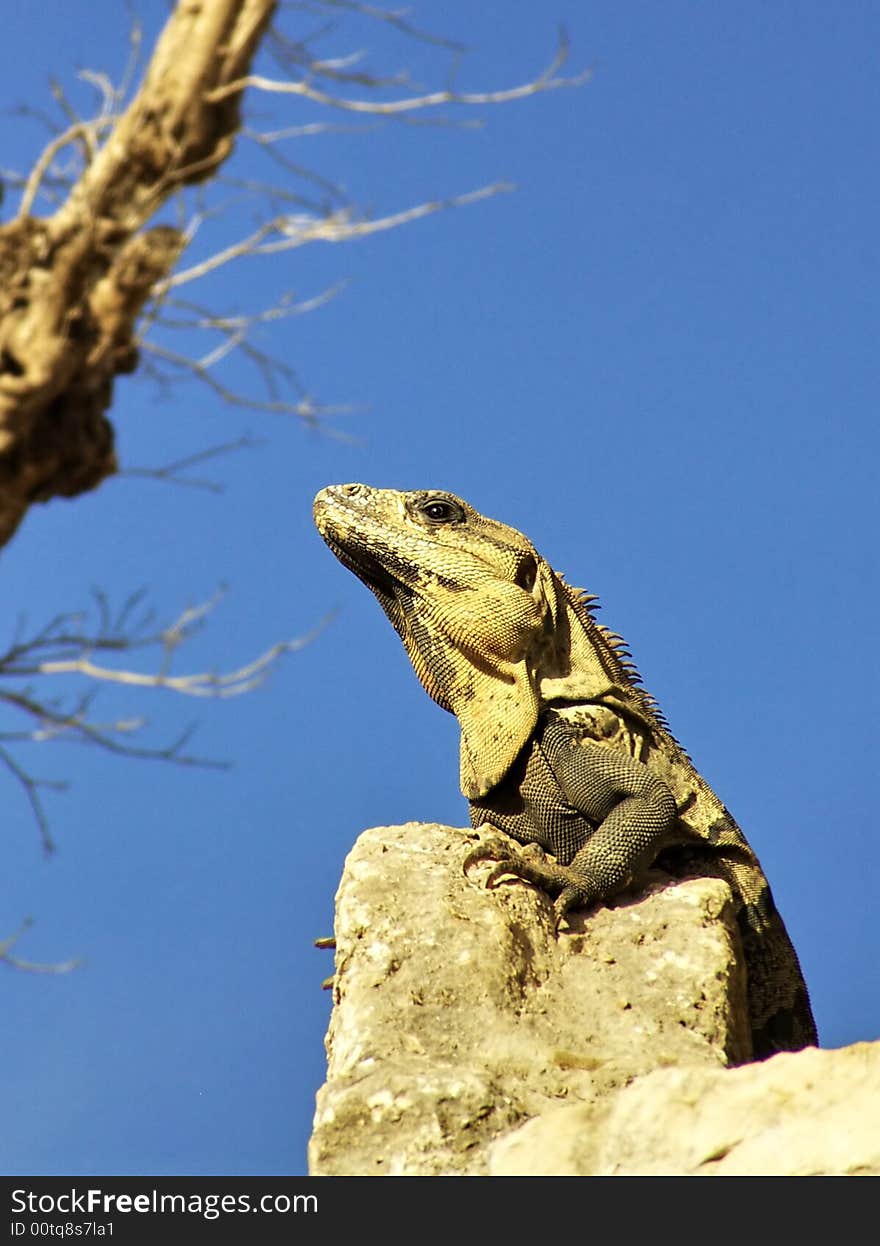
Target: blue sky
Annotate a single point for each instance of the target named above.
(658, 358)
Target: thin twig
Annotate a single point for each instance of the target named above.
(305, 409)
(547, 81)
(169, 472)
(31, 786)
(66, 647)
(395, 18)
(80, 130)
(298, 231)
(30, 966)
(204, 684)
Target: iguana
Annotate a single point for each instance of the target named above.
(561, 745)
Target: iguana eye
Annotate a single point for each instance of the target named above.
(439, 510)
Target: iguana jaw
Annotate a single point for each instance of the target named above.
(332, 513)
(367, 569)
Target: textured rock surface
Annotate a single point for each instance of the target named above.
(459, 1015)
(467, 1038)
(812, 1113)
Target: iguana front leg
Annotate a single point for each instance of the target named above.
(532, 866)
(632, 810)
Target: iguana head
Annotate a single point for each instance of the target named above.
(482, 615)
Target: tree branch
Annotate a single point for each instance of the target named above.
(546, 81)
(170, 472)
(65, 647)
(30, 966)
(299, 231)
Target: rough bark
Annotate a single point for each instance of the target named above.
(72, 284)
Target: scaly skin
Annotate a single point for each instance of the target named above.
(561, 746)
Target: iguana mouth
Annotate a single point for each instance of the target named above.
(368, 569)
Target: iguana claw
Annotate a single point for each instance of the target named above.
(485, 850)
(531, 865)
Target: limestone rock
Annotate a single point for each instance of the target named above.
(810, 1113)
(460, 1015)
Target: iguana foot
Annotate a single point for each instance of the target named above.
(531, 865)
(500, 850)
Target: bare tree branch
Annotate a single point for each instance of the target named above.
(397, 19)
(546, 81)
(203, 684)
(85, 130)
(31, 788)
(67, 647)
(170, 473)
(306, 408)
(103, 270)
(64, 337)
(299, 231)
(30, 966)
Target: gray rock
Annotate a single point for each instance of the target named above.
(812, 1113)
(459, 1015)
